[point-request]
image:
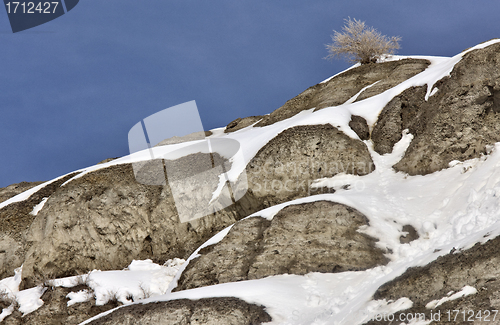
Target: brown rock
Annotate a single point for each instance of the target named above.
(104, 220)
(241, 123)
(476, 267)
(411, 234)
(208, 311)
(312, 237)
(339, 89)
(286, 166)
(457, 123)
(15, 219)
(359, 125)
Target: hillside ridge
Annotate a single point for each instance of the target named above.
(353, 188)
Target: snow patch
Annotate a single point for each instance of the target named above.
(79, 297)
(143, 279)
(29, 299)
(6, 312)
(39, 206)
(466, 291)
(433, 92)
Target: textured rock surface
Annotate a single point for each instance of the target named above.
(313, 237)
(56, 312)
(359, 125)
(15, 220)
(286, 166)
(402, 112)
(339, 89)
(15, 189)
(212, 311)
(456, 123)
(395, 74)
(105, 219)
(241, 123)
(476, 267)
(410, 235)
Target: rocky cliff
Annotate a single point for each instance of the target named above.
(355, 195)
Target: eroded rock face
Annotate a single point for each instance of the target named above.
(286, 166)
(456, 123)
(476, 267)
(15, 219)
(209, 311)
(344, 86)
(313, 237)
(360, 127)
(402, 112)
(105, 219)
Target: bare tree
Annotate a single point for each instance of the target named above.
(359, 43)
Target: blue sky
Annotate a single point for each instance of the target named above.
(71, 89)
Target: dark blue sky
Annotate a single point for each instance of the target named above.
(71, 89)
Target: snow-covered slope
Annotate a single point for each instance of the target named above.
(454, 208)
(451, 209)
